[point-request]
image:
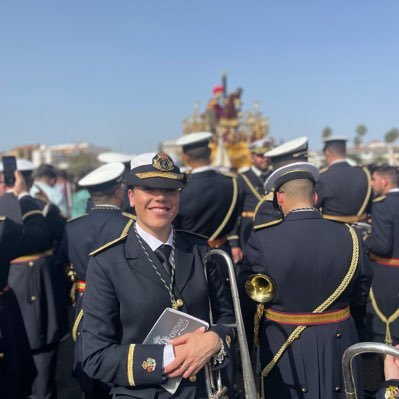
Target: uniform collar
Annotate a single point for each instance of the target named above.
(153, 242)
(256, 170)
(202, 169)
(304, 214)
(101, 207)
(339, 161)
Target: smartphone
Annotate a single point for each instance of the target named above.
(9, 167)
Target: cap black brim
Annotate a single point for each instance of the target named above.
(155, 182)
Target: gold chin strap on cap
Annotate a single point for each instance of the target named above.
(330, 300)
(386, 320)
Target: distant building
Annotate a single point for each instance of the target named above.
(376, 151)
(58, 155)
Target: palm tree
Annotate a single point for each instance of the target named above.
(361, 130)
(390, 137)
(327, 132)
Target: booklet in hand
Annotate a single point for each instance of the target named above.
(171, 324)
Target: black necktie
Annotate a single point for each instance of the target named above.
(163, 254)
(264, 176)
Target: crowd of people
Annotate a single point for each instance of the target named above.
(324, 240)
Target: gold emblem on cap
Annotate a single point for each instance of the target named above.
(163, 162)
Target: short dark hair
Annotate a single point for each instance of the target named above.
(337, 147)
(389, 172)
(200, 153)
(46, 170)
(101, 196)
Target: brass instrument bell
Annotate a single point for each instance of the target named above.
(260, 288)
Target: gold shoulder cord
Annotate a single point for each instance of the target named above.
(229, 212)
(367, 197)
(386, 320)
(251, 187)
(78, 319)
(339, 290)
(267, 197)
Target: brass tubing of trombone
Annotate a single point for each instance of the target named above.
(249, 381)
(352, 352)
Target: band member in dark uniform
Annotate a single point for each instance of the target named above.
(383, 251)
(17, 370)
(209, 202)
(104, 222)
(344, 191)
(292, 151)
(251, 190)
(130, 282)
(40, 290)
(320, 282)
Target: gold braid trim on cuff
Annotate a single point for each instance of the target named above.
(130, 360)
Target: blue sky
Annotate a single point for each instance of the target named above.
(124, 73)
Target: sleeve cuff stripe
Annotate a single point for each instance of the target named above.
(130, 359)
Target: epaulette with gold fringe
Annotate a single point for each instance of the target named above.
(192, 233)
(129, 215)
(76, 218)
(380, 198)
(109, 244)
(268, 224)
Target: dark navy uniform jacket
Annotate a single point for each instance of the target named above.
(124, 298)
(17, 369)
(307, 257)
(251, 191)
(87, 233)
(40, 287)
(384, 244)
(83, 235)
(205, 202)
(343, 190)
